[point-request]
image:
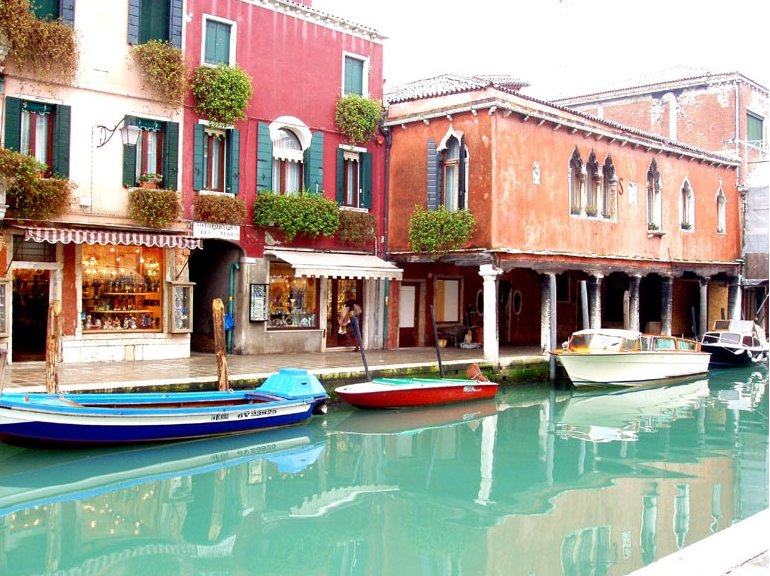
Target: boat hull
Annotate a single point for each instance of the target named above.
(629, 368)
(738, 356)
(408, 392)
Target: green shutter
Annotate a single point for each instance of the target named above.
(264, 159)
(314, 164)
(154, 21)
(433, 176)
(13, 123)
(171, 155)
(217, 43)
(134, 12)
(175, 24)
(199, 140)
(45, 9)
(354, 76)
(340, 176)
(61, 141)
(129, 165)
(233, 155)
(365, 179)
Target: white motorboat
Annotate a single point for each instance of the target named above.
(735, 343)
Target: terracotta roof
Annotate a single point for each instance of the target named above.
(450, 84)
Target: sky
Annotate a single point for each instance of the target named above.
(565, 47)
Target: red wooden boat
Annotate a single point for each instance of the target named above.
(404, 392)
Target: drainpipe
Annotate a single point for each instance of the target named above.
(233, 267)
(388, 143)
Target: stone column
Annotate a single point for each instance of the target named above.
(595, 300)
(633, 302)
(666, 295)
(545, 311)
(703, 309)
(491, 344)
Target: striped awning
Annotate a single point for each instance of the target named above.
(106, 237)
(337, 265)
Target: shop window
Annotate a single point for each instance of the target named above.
(293, 300)
(30, 251)
(447, 300)
(122, 288)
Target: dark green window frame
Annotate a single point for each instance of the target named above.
(170, 152)
(354, 75)
(217, 42)
(154, 20)
(754, 129)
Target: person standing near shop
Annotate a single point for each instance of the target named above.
(350, 309)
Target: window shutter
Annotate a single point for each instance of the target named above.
(175, 24)
(13, 123)
(340, 176)
(433, 179)
(264, 159)
(365, 179)
(129, 166)
(233, 155)
(67, 12)
(198, 142)
(314, 163)
(61, 141)
(170, 155)
(462, 184)
(134, 13)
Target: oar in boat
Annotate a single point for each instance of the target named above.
(360, 343)
(435, 341)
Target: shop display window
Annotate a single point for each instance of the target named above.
(122, 288)
(180, 306)
(293, 300)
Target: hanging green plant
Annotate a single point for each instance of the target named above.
(307, 213)
(221, 93)
(153, 208)
(439, 231)
(356, 228)
(357, 118)
(220, 209)
(164, 70)
(46, 49)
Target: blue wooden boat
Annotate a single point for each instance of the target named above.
(287, 397)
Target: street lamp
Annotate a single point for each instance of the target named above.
(129, 134)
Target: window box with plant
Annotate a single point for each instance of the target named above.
(357, 118)
(439, 231)
(164, 70)
(356, 227)
(153, 208)
(30, 196)
(307, 213)
(220, 209)
(221, 93)
(686, 226)
(150, 180)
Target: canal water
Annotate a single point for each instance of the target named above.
(539, 482)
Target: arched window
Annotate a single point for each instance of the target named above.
(453, 172)
(721, 212)
(687, 206)
(654, 197)
(593, 182)
(609, 188)
(287, 162)
(575, 183)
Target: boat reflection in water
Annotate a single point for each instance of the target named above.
(525, 484)
(620, 414)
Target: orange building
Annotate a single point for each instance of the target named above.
(568, 209)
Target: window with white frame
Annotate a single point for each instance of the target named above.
(287, 162)
(687, 206)
(593, 182)
(214, 159)
(350, 171)
(453, 172)
(37, 131)
(355, 73)
(447, 300)
(654, 197)
(218, 46)
(721, 212)
(576, 183)
(755, 131)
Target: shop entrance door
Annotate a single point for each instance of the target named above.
(407, 314)
(340, 290)
(31, 295)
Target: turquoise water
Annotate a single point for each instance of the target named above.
(538, 482)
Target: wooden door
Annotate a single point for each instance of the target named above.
(408, 309)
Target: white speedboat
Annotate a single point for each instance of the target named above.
(616, 357)
(735, 343)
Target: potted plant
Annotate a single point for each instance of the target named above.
(27, 193)
(220, 209)
(150, 180)
(221, 93)
(153, 208)
(438, 231)
(307, 213)
(164, 70)
(356, 228)
(357, 117)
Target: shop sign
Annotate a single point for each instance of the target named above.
(220, 231)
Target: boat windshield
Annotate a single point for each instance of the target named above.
(594, 341)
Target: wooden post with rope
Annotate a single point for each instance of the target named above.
(53, 347)
(218, 313)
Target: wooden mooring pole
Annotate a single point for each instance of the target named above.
(218, 313)
(53, 347)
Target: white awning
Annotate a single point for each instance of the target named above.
(104, 237)
(337, 265)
